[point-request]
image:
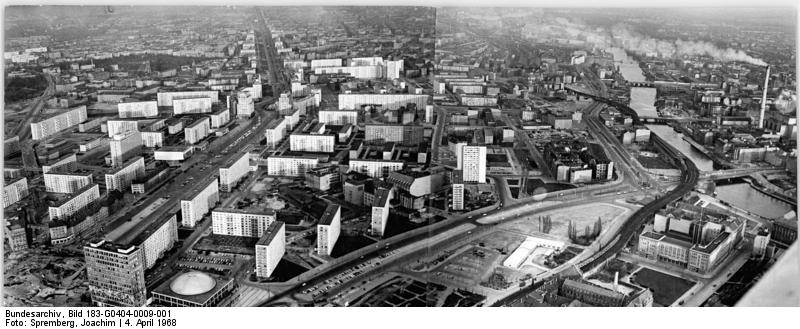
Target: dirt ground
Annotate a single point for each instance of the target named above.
(581, 216)
(37, 278)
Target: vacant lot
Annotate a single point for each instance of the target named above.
(581, 217)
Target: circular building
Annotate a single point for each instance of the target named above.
(196, 289)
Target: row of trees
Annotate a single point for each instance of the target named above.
(545, 224)
(590, 232)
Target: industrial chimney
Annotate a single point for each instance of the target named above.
(616, 281)
(764, 101)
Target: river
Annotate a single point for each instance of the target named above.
(742, 195)
(676, 139)
(642, 99)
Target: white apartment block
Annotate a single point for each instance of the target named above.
(92, 144)
(121, 178)
(116, 127)
(74, 203)
(292, 119)
(458, 196)
(181, 105)
(302, 104)
(315, 63)
(138, 109)
(153, 139)
(245, 107)
(290, 165)
(59, 122)
(66, 182)
(166, 98)
(393, 69)
(123, 146)
(233, 171)
(312, 142)
(15, 191)
(387, 101)
(200, 201)
(364, 72)
(380, 211)
(275, 132)
(163, 238)
(374, 168)
(328, 229)
(197, 130)
(473, 163)
(220, 118)
(270, 248)
(69, 161)
(236, 222)
(338, 117)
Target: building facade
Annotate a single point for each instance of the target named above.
(199, 202)
(290, 165)
(241, 222)
(57, 123)
(270, 248)
(328, 229)
(233, 171)
(115, 274)
(74, 203)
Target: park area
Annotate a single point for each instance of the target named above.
(666, 288)
(581, 216)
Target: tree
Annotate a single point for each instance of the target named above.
(598, 227)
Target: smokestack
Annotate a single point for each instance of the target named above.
(764, 101)
(616, 281)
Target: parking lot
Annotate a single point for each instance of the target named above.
(467, 269)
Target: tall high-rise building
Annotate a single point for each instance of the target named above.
(199, 202)
(458, 190)
(125, 146)
(115, 274)
(270, 249)
(380, 211)
(14, 190)
(245, 106)
(472, 162)
(120, 179)
(233, 170)
(328, 229)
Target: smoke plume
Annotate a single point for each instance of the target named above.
(622, 36)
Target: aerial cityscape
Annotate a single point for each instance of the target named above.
(239, 156)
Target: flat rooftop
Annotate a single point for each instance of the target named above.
(329, 214)
(254, 211)
(270, 233)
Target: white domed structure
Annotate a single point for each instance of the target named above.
(192, 283)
